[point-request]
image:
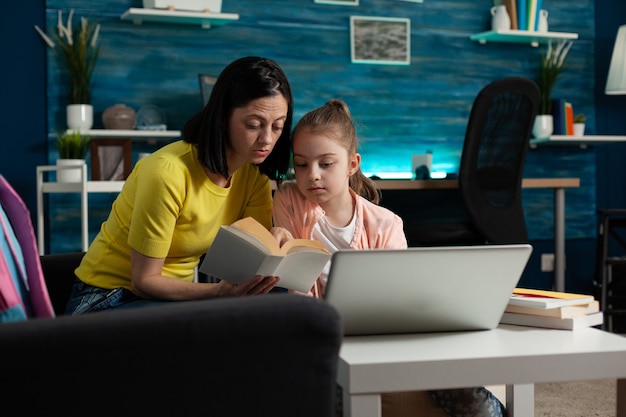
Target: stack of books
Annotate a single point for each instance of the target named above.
(552, 309)
(524, 14)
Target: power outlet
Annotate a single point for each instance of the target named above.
(547, 262)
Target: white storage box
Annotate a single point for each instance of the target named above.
(214, 6)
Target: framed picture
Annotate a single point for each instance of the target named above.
(380, 40)
(206, 85)
(111, 159)
(339, 2)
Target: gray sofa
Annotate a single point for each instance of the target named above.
(273, 355)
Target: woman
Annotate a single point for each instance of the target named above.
(174, 201)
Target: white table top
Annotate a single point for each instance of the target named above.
(506, 355)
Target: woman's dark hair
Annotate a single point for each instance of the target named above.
(242, 81)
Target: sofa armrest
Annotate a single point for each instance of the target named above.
(271, 355)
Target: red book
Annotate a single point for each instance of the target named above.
(569, 119)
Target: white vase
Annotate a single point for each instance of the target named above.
(70, 174)
(79, 116)
(500, 19)
(543, 126)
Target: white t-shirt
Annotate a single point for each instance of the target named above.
(334, 238)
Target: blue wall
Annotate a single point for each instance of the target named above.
(400, 110)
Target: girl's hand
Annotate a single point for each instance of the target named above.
(257, 285)
(281, 234)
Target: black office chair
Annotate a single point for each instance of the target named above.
(491, 169)
(610, 268)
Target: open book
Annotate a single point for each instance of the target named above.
(246, 248)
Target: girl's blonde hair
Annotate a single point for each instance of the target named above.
(333, 119)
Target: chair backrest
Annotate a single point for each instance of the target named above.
(492, 162)
(58, 271)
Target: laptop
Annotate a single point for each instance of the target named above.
(424, 289)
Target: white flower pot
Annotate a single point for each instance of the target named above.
(70, 174)
(79, 117)
(579, 129)
(544, 126)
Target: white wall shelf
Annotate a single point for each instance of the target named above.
(582, 141)
(205, 19)
(150, 136)
(521, 36)
(83, 187)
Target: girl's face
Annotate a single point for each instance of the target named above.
(322, 166)
(254, 130)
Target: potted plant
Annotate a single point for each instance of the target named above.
(80, 49)
(72, 146)
(579, 124)
(551, 65)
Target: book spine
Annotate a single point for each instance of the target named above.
(538, 13)
(558, 116)
(511, 8)
(569, 117)
(532, 12)
(588, 320)
(521, 14)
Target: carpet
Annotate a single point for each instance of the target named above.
(576, 399)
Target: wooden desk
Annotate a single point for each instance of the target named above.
(515, 356)
(558, 184)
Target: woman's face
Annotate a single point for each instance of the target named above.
(254, 130)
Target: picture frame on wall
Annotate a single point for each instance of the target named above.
(380, 40)
(339, 2)
(111, 159)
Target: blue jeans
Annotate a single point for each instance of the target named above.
(478, 401)
(86, 298)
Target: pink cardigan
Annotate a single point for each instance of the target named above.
(376, 226)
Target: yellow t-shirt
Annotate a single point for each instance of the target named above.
(169, 208)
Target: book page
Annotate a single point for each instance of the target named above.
(257, 231)
(296, 245)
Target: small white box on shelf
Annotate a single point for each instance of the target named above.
(422, 161)
(213, 6)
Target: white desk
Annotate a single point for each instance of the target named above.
(83, 187)
(515, 356)
(557, 184)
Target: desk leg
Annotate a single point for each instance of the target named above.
(559, 239)
(520, 400)
(361, 405)
(621, 397)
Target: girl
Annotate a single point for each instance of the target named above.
(333, 202)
